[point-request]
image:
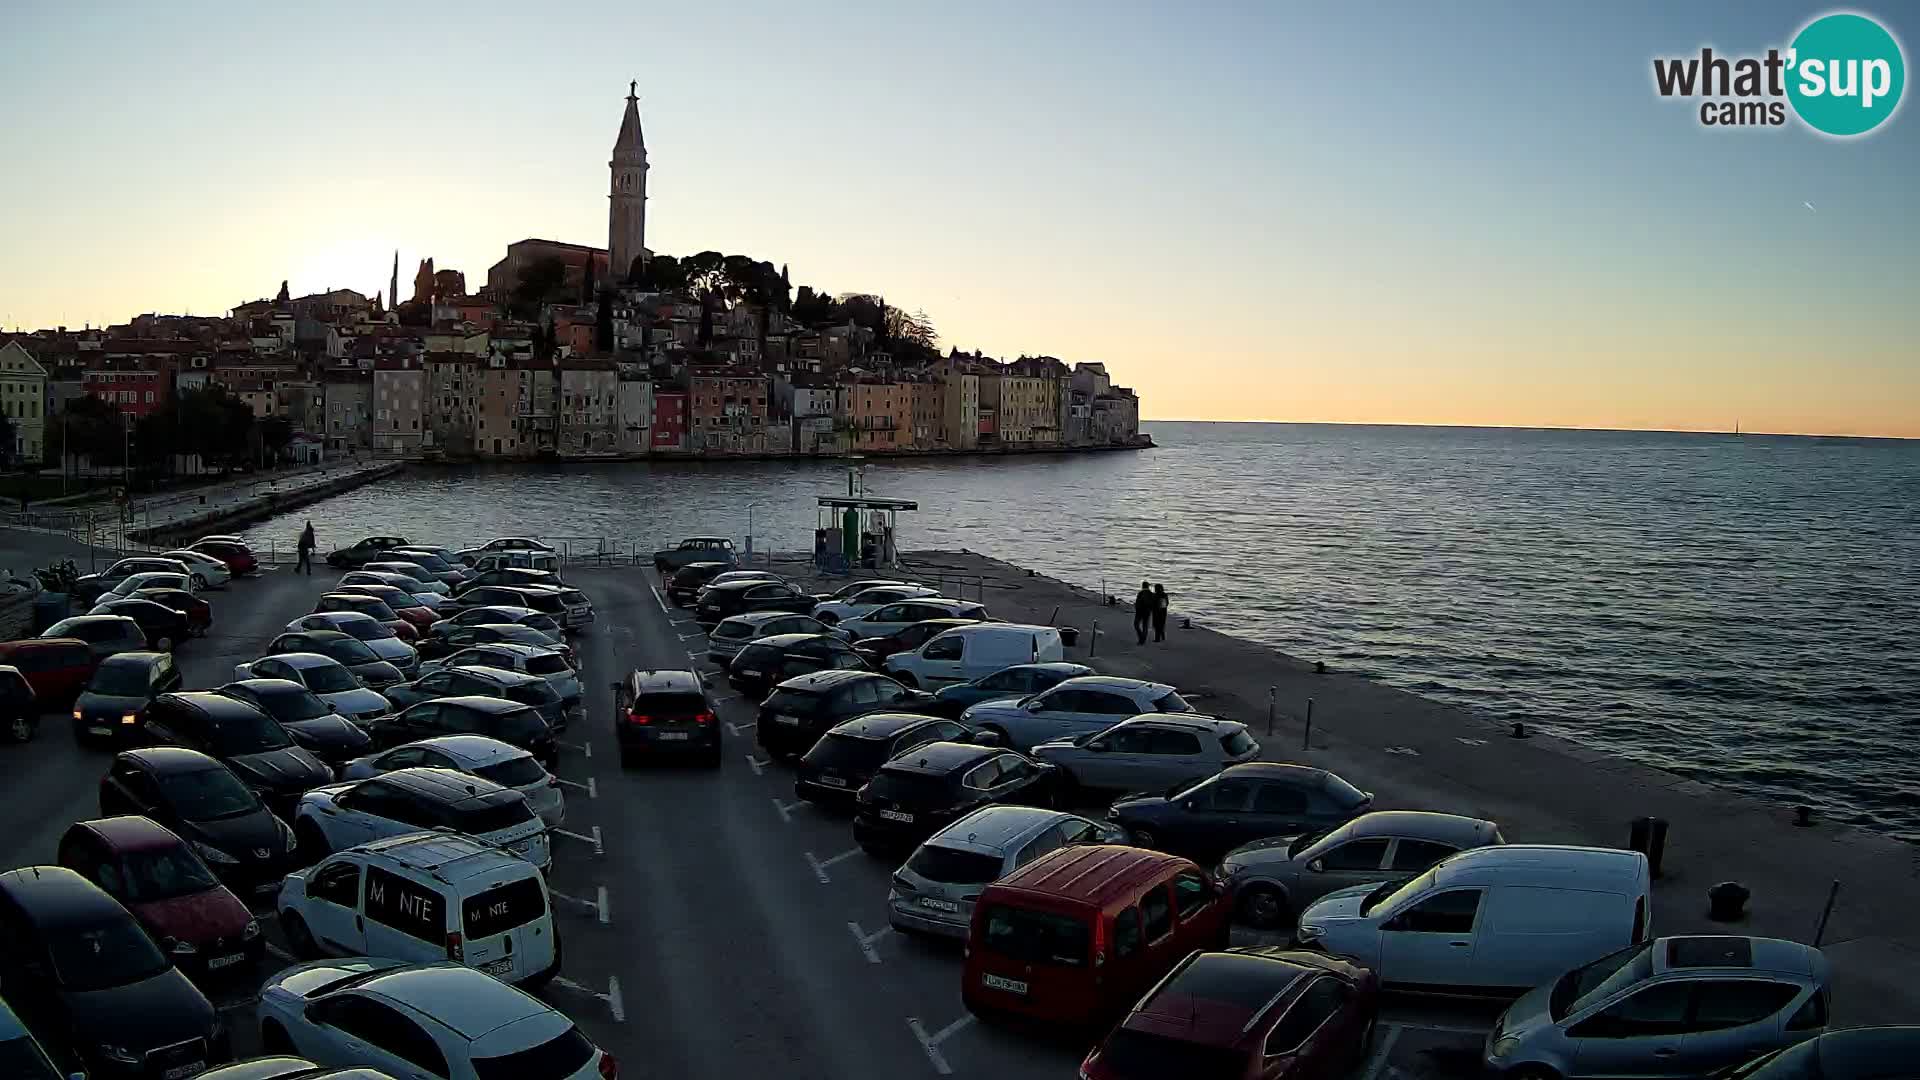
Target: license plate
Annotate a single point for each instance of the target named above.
(833, 781)
(1011, 986)
(178, 1072)
(672, 736)
(747, 674)
(896, 815)
(219, 962)
(498, 968)
(266, 887)
(783, 718)
(100, 729)
(522, 846)
(939, 905)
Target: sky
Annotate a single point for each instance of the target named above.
(1341, 212)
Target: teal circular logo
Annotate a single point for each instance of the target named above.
(1846, 73)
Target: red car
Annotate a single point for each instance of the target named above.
(402, 603)
(1245, 1014)
(56, 668)
(177, 900)
(371, 606)
(238, 558)
(199, 613)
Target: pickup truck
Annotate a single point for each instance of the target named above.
(694, 549)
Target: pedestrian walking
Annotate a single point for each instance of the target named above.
(1142, 611)
(1159, 613)
(306, 551)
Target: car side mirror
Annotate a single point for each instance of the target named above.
(1097, 746)
(984, 738)
(1217, 888)
(1317, 865)
(1188, 805)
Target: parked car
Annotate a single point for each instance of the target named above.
(85, 975)
(1246, 1012)
(104, 634)
(348, 651)
(56, 668)
(1493, 920)
(89, 587)
(445, 1019)
(683, 588)
(694, 549)
(568, 606)
(504, 543)
(209, 807)
(524, 560)
(1015, 682)
(239, 558)
(725, 576)
(511, 635)
(375, 634)
(968, 653)
(913, 796)
(509, 575)
(151, 579)
(1675, 1006)
(241, 737)
(1154, 752)
(354, 555)
(340, 816)
(832, 612)
(1874, 1053)
(1077, 935)
(22, 1054)
(801, 709)
(19, 712)
(425, 579)
(323, 675)
(545, 661)
(665, 713)
(861, 585)
(1274, 878)
(934, 891)
(509, 721)
(1080, 706)
(212, 572)
(423, 897)
(157, 877)
(407, 593)
(166, 627)
(284, 1067)
(477, 755)
(198, 612)
(117, 697)
(443, 566)
(514, 686)
(1241, 803)
(740, 597)
(494, 615)
(372, 608)
(404, 604)
(893, 618)
(760, 666)
(314, 725)
(848, 755)
(875, 650)
(736, 632)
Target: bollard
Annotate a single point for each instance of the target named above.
(1648, 836)
(1093, 639)
(1727, 901)
(1054, 618)
(1319, 667)
(1271, 691)
(1306, 734)
(1519, 731)
(1803, 816)
(1820, 932)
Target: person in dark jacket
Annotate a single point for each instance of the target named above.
(1142, 611)
(306, 551)
(1159, 613)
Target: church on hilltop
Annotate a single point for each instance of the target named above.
(626, 219)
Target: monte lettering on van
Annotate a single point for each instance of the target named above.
(394, 901)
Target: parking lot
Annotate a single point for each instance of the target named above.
(714, 925)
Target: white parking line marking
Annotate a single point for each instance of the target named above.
(586, 787)
(1404, 751)
(242, 1003)
(727, 696)
(599, 848)
(931, 1043)
(696, 657)
(593, 788)
(615, 1003)
(1382, 1051)
(690, 637)
(758, 765)
(279, 953)
(820, 865)
(735, 729)
(1469, 742)
(787, 808)
(606, 909)
(866, 940)
(1449, 1029)
(565, 983)
(657, 598)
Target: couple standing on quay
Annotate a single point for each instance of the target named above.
(1150, 606)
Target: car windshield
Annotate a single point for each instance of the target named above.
(1344, 794)
(1171, 702)
(365, 629)
(374, 609)
(1037, 937)
(953, 867)
(542, 623)
(248, 732)
(428, 561)
(547, 664)
(849, 752)
(1237, 742)
(520, 726)
(292, 704)
(329, 679)
(1396, 890)
(120, 680)
(522, 635)
(572, 597)
(563, 1056)
(21, 1057)
(514, 772)
(164, 873)
(348, 651)
(207, 794)
(1138, 1055)
(1596, 982)
(104, 955)
(733, 630)
(1305, 841)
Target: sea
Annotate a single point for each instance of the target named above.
(1740, 609)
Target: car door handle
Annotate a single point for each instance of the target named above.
(1665, 1051)
(1459, 944)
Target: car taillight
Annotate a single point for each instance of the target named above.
(703, 718)
(609, 1068)
(455, 951)
(1099, 941)
(638, 718)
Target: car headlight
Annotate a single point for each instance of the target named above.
(1228, 868)
(212, 854)
(129, 718)
(119, 1054)
(291, 838)
(252, 931)
(1504, 1046)
(1308, 932)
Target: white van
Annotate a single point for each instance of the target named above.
(424, 897)
(1494, 920)
(966, 653)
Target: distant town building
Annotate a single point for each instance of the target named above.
(399, 407)
(23, 399)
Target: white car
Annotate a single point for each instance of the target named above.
(549, 664)
(342, 690)
(892, 618)
(153, 579)
(210, 572)
(469, 1025)
(378, 635)
(833, 611)
(476, 755)
(335, 817)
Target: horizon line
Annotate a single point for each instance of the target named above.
(1536, 427)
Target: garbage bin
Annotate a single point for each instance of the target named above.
(1069, 636)
(49, 608)
(1649, 837)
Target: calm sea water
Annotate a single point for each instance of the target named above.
(1743, 610)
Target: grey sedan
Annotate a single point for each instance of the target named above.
(1153, 752)
(1081, 706)
(736, 632)
(1274, 877)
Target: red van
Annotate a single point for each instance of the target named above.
(56, 668)
(1075, 936)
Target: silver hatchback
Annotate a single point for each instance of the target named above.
(934, 890)
(1153, 752)
(1678, 1006)
(1274, 877)
(736, 632)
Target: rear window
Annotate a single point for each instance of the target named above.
(1136, 1055)
(564, 1056)
(499, 910)
(671, 704)
(794, 702)
(952, 867)
(519, 727)
(546, 664)
(914, 788)
(1236, 742)
(1037, 937)
(1172, 702)
(764, 655)
(732, 630)
(848, 752)
(572, 597)
(408, 907)
(486, 819)
(514, 772)
(546, 602)
(534, 693)
(1344, 794)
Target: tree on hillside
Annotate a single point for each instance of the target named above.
(281, 297)
(86, 425)
(706, 322)
(588, 285)
(539, 281)
(663, 272)
(6, 439)
(603, 325)
(275, 433)
(912, 329)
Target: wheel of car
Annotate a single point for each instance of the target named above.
(299, 938)
(997, 732)
(313, 842)
(1262, 907)
(828, 618)
(274, 1039)
(199, 582)
(1144, 838)
(164, 642)
(22, 729)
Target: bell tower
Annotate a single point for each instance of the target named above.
(627, 197)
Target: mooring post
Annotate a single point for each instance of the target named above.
(1306, 734)
(1271, 691)
(1833, 894)
(1093, 639)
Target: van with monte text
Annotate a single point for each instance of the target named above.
(966, 653)
(1492, 920)
(423, 897)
